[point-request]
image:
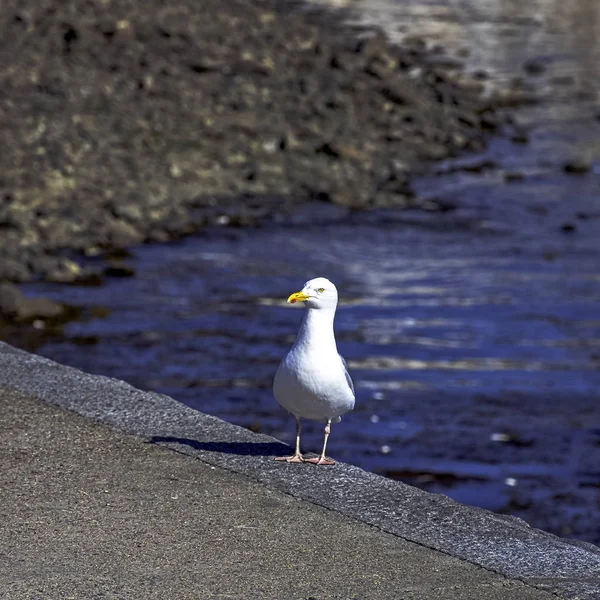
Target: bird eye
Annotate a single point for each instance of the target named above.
(321, 290)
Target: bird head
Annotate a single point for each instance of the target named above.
(316, 293)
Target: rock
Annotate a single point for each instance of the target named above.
(445, 63)
(89, 278)
(158, 236)
(11, 299)
(64, 271)
(489, 121)
(437, 205)
(576, 166)
(534, 66)
(12, 269)
(395, 93)
(122, 234)
(15, 306)
(119, 270)
(510, 176)
(519, 137)
(563, 80)
(478, 166)
(58, 232)
(128, 211)
(373, 45)
(381, 67)
(510, 98)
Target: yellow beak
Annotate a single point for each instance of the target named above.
(298, 297)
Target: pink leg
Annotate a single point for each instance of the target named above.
(297, 456)
(323, 460)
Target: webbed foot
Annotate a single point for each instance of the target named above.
(296, 458)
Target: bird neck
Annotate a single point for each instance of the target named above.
(317, 328)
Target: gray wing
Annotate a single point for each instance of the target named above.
(348, 378)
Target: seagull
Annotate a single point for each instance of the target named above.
(312, 381)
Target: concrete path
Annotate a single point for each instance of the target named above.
(110, 510)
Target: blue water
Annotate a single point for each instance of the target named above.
(476, 357)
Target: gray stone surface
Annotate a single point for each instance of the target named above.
(262, 522)
(90, 512)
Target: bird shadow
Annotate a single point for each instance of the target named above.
(240, 448)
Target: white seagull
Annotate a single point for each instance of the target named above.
(312, 381)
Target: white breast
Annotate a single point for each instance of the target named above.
(313, 385)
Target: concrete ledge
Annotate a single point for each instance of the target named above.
(504, 545)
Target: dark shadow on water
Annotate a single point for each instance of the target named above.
(240, 448)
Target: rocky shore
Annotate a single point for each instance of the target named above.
(128, 122)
